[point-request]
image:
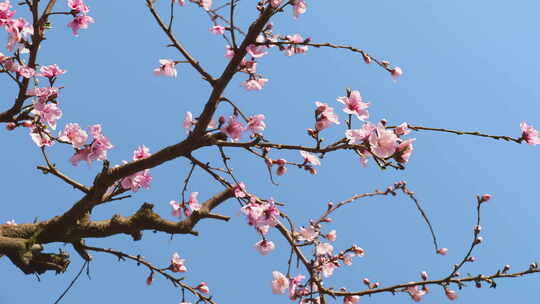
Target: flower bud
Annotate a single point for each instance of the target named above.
(506, 268)
(396, 72)
(484, 198)
(366, 281)
(442, 251)
(478, 240)
(423, 275)
(10, 126)
(281, 162)
(27, 123)
(477, 228)
(367, 58)
(281, 170)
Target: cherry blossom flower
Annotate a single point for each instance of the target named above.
(310, 158)
(415, 293)
(402, 129)
(217, 30)
(240, 190)
(307, 235)
(261, 215)
(193, 203)
(295, 49)
(166, 68)
(5, 13)
(233, 129)
(80, 22)
(254, 84)
(360, 135)
(294, 291)
(264, 247)
(78, 6)
(347, 259)
(48, 113)
(41, 138)
(141, 152)
(176, 209)
(189, 122)
(202, 287)
(331, 236)
(351, 299)
(97, 150)
(181, 2)
(256, 124)
(357, 251)
(73, 134)
(354, 105)
(325, 116)
(328, 268)
(383, 143)
(51, 71)
(280, 283)
(26, 71)
(44, 94)
(177, 264)
(529, 134)
(299, 8)
(18, 30)
(324, 249)
(205, 4)
(136, 181)
(404, 151)
(275, 3)
(229, 51)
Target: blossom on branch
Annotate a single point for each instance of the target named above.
(166, 68)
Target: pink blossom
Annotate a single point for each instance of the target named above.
(51, 71)
(202, 287)
(275, 3)
(307, 235)
(450, 294)
(256, 124)
(310, 158)
(360, 135)
(264, 247)
(229, 51)
(281, 170)
(254, 84)
(193, 202)
(136, 181)
(354, 105)
(347, 259)
(205, 4)
(484, 198)
(18, 30)
(299, 8)
(73, 134)
(357, 251)
(294, 291)
(78, 6)
(167, 68)
(177, 264)
(351, 299)
(48, 113)
(41, 138)
(80, 22)
(44, 94)
(529, 134)
(280, 283)
(402, 129)
(261, 215)
(5, 13)
(240, 190)
(176, 209)
(233, 129)
(324, 249)
(97, 150)
(181, 2)
(26, 71)
(415, 293)
(217, 30)
(325, 116)
(257, 51)
(331, 236)
(295, 49)
(248, 66)
(328, 268)
(404, 151)
(141, 152)
(383, 143)
(423, 275)
(189, 122)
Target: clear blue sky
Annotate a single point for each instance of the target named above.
(468, 65)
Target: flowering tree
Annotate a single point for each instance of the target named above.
(222, 125)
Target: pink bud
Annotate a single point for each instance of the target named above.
(423, 275)
(326, 220)
(268, 162)
(477, 228)
(396, 72)
(10, 126)
(450, 294)
(221, 120)
(202, 287)
(150, 279)
(506, 268)
(281, 162)
(281, 170)
(367, 58)
(366, 281)
(471, 259)
(478, 240)
(27, 123)
(442, 251)
(486, 197)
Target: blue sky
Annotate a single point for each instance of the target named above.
(467, 65)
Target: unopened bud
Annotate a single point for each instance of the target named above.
(423, 275)
(221, 120)
(150, 279)
(533, 265)
(477, 228)
(367, 58)
(311, 132)
(281, 170)
(366, 281)
(478, 240)
(281, 162)
(10, 126)
(396, 72)
(506, 268)
(330, 205)
(27, 123)
(442, 251)
(326, 220)
(478, 284)
(471, 259)
(484, 198)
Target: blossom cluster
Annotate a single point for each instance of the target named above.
(81, 20)
(141, 179)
